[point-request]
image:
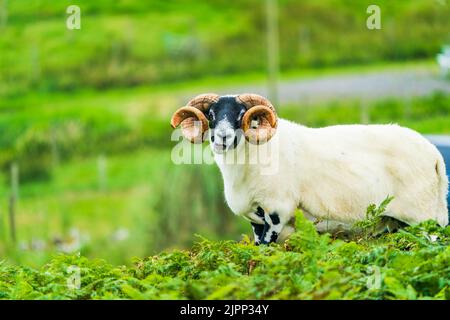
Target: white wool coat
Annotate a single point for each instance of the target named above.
(336, 172)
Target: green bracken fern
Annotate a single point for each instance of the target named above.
(410, 264)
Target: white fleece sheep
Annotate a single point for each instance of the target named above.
(334, 173)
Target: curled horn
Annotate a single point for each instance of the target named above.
(192, 117)
(259, 122)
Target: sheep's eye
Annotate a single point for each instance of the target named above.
(211, 115)
(240, 115)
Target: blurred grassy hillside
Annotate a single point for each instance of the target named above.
(130, 42)
(84, 113)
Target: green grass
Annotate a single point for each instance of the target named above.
(411, 264)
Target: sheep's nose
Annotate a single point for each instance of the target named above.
(225, 135)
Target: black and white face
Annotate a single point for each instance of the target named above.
(225, 123)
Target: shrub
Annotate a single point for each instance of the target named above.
(411, 264)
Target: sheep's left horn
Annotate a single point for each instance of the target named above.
(259, 123)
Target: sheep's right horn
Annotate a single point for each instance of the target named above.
(192, 118)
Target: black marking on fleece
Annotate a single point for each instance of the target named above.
(275, 218)
(274, 236)
(258, 230)
(263, 236)
(260, 212)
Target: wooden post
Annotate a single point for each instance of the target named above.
(13, 200)
(35, 71)
(272, 49)
(3, 14)
(102, 173)
(54, 147)
(365, 116)
(407, 108)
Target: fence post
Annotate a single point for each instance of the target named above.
(272, 49)
(54, 147)
(102, 173)
(35, 71)
(13, 200)
(407, 108)
(3, 14)
(365, 116)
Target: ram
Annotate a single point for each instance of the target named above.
(332, 174)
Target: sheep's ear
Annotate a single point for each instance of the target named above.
(193, 123)
(259, 124)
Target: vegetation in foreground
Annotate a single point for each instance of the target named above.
(410, 264)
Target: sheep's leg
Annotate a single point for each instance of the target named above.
(259, 228)
(272, 228)
(266, 227)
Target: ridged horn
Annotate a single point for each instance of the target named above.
(260, 121)
(192, 117)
